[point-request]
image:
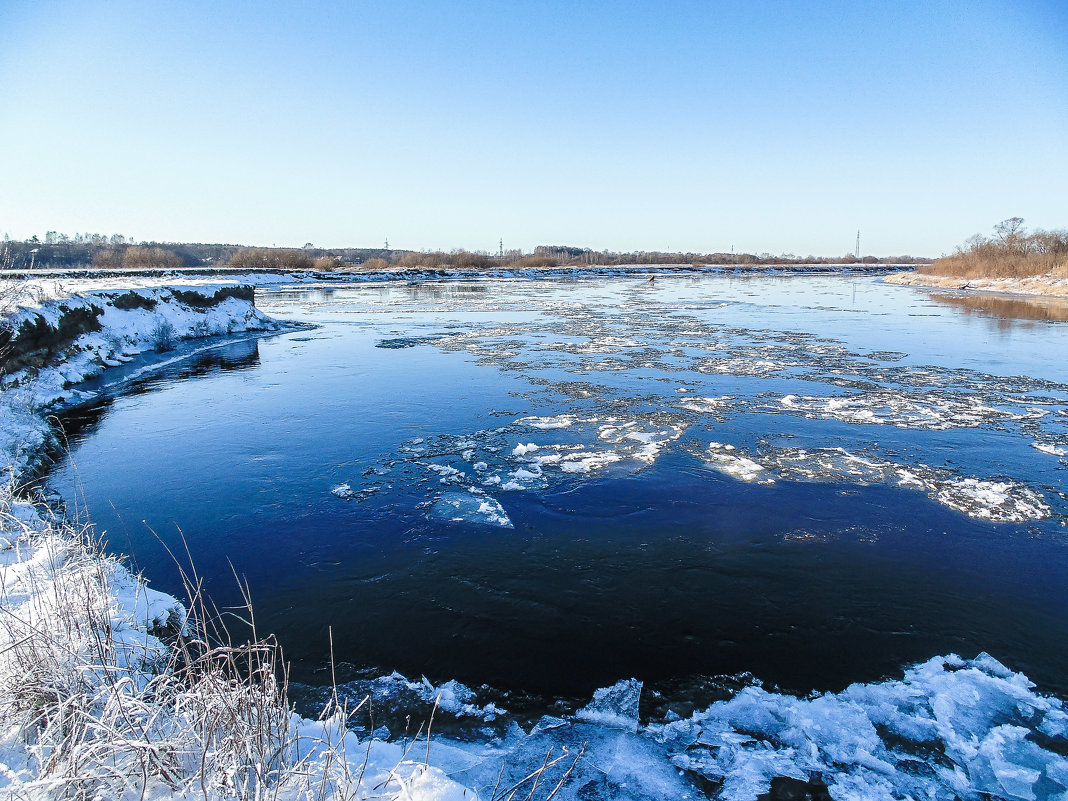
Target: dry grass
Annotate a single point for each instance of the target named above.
(326, 263)
(138, 258)
(99, 707)
(998, 265)
(1010, 253)
(438, 260)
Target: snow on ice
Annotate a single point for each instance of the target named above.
(995, 500)
(461, 507)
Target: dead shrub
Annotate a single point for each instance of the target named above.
(138, 257)
(271, 259)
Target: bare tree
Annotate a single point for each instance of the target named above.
(1010, 232)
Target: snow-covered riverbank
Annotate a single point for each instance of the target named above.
(48, 347)
(1044, 285)
(93, 704)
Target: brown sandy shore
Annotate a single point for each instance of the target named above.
(1044, 285)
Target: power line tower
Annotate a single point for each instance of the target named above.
(500, 251)
(856, 254)
(387, 243)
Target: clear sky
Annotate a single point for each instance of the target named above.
(659, 125)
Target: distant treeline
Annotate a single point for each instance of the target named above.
(1010, 253)
(58, 251)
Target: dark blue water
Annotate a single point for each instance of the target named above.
(660, 566)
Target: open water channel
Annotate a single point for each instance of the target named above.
(546, 486)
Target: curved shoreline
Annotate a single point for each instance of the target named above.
(1047, 286)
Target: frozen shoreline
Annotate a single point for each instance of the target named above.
(949, 728)
(1039, 285)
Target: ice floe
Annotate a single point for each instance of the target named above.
(1050, 448)
(447, 473)
(994, 500)
(896, 408)
(716, 406)
(555, 421)
(531, 453)
(461, 507)
(726, 459)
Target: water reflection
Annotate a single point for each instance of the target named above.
(423, 291)
(82, 420)
(1008, 312)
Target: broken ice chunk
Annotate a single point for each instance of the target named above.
(343, 491)
(614, 707)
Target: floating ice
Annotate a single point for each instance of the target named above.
(725, 459)
(993, 500)
(651, 442)
(398, 343)
(523, 450)
(585, 461)
(707, 405)
(448, 474)
(462, 507)
(547, 423)
(896, 408)
(741, 366)
(343, 491)
(998, 501)
(1050, 448)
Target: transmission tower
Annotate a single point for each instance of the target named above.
(857, 253)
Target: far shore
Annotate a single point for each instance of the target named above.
(1038, 285)
(394, 272)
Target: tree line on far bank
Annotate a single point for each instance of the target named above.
(1011, 252)
(115, 252)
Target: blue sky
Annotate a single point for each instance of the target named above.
(766, 126)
